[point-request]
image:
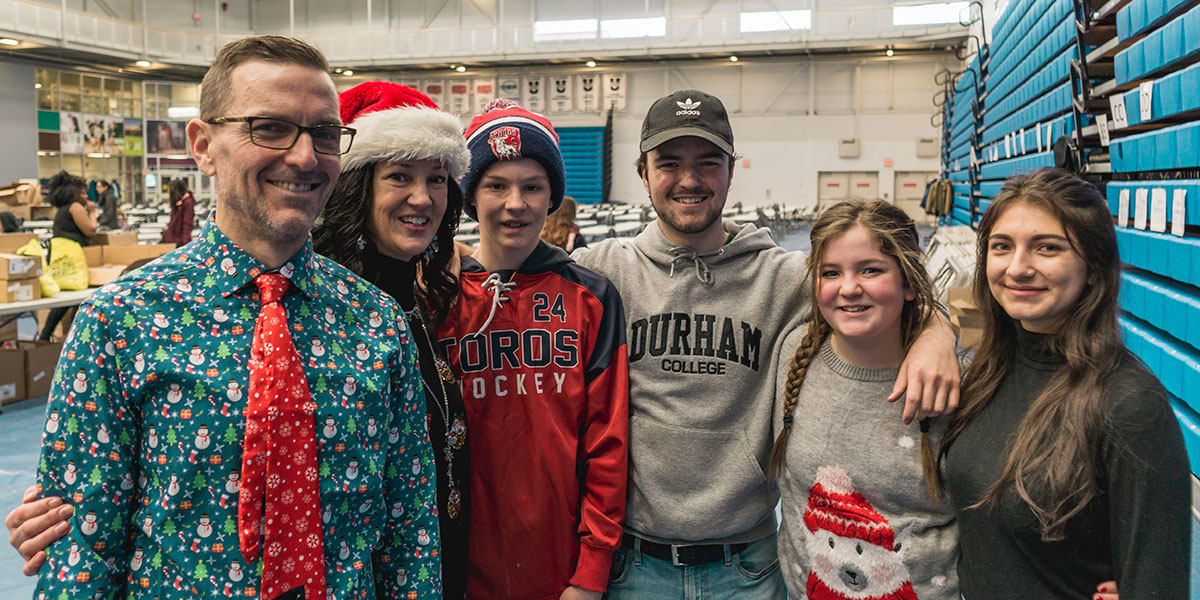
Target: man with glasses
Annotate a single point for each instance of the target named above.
(208, 418)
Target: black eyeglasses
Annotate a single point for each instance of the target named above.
(281, 134)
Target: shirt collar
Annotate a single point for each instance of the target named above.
(232, 268)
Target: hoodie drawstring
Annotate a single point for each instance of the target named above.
(684, 254)
(498, 288)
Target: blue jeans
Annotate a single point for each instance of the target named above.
(752, 574)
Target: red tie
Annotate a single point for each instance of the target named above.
(279, 459)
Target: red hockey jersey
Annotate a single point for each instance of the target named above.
(540, 352)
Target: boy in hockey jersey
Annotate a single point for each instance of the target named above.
(538, 343)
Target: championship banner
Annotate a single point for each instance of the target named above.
(533, 94)
(485, 91)
(510, 87)
(561, 94)
(614, 91)
(436, 90)
(412, 83)
(587, 88)
(460, 96)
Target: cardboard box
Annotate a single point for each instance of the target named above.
(42, 212)
(9, 242)
(127, 255)
(12, 375)
(98, 276)
(970, 330)
(16, 194)
(115, 238)
(15, 266)
(10, 329)
(40, 360)
(94, 255)
(25, 213)
(20, 291)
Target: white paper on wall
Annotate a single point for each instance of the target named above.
(509, 87)
(562, 88)
(1116, 102)
(460, 96)
(587, 87)
(533, 93)
(436, 90)
(1158, 210)
(1146, 98)
(1102, 126)
(1123, 209)
(1140, 208)
(1178, 212)
(615, 85)
(485, 91)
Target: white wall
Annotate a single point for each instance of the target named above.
(18, 122)
(784, 142)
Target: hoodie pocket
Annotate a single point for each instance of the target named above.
(693, 484)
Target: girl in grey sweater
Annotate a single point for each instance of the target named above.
(861, 519)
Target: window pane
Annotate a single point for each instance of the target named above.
(780, 20)
(929, 14)
(633, 28)
(568, 29)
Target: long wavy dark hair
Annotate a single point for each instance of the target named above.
(344, 222)
(63, 189)
(1052, 465)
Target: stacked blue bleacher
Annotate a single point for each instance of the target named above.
(583, 158)
(1027, 105)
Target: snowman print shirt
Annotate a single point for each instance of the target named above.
(144, 432)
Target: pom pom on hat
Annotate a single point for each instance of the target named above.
(506, 131)
(834, 506)
(394, 122)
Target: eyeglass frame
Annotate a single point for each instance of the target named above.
(249, 121)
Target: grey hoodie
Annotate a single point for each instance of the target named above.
(704, 335)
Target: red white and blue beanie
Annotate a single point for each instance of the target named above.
(505, 131)
(394, 122)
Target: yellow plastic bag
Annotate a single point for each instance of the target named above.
(49, 285)
(68, 266)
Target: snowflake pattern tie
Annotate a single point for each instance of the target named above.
(279, 459)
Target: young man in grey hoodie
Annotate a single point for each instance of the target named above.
(708, 304)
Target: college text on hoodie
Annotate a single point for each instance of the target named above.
(705, 330)
(541, 355)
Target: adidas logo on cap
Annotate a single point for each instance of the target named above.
(687, 107)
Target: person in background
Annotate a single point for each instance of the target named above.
(390, 219)
(106, 199)
(183, 214)
(1066, 465)
(561, 229)
(547, 404)
(75, 220)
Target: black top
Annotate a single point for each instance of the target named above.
(1137, 531)
(397, 278)
(108, 208)
(65, 227)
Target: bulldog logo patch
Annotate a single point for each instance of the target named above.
(505, 143)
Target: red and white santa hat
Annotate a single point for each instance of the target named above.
(834, 506)
(394, 122)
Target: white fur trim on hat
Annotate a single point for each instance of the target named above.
(409, 133)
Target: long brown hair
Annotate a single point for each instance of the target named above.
(558, 225)
(896, 235)
(1052, 464)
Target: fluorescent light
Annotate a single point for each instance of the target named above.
(928, 14)
(142, 63)
(733, 58)
(591, 64)
(183, 112)
(348, 73)
(891, 52)
(633, 28)
(776, 20)
(9, 42)
(565, 29)
(37, 86)
(461, 69)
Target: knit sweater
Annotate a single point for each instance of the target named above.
(704, 331)
(857, 519)
(1137, 531)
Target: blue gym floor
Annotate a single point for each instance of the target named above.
(20, 442)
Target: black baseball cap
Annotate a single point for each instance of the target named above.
(687, 113)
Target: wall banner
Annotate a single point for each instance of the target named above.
(533, 93)
(587, 89)
(615, 85)
(561, 94)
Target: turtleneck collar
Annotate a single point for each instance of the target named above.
(1034, 349)
(396, 277)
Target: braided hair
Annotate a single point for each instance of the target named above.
(896, 236)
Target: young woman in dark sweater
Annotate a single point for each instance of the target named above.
(1066, 465)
